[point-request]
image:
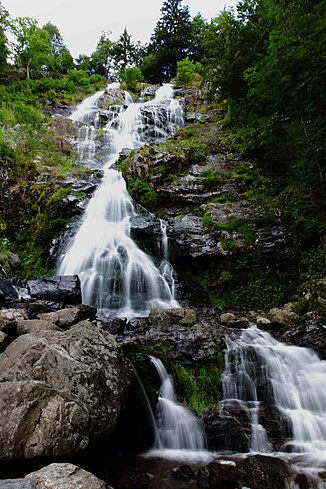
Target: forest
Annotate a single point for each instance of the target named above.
(262, 65)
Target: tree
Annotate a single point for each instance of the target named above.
(102, 60)
(32, 46)
(171, 38)
(61, 60)
(124, 51)
(4, 51)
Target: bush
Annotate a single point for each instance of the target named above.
(131, 77)
(186, 71)
(79, 77)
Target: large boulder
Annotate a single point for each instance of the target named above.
(65, 476)
(60, 390)
(56, 476)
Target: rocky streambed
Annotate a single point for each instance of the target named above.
(68, 399)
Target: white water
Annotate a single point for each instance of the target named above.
(179, 429)
(116, 275)
(296, 378)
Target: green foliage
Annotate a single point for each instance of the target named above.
(212, 178)
(186, 71)
(313, 264)
(132, 77)
(143, 192)
(32, 46)
(230, 245)
(201, 387)
(171, 38)
(263, 288)
(79, 77)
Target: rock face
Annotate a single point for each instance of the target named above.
(60, 390)
(193, 339)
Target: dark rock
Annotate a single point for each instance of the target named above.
(184, 473)
(191, 342)
(309, 334)
(255, 472)
(277, 425)
(230, 429)
(301, 481)
(8, 292)
(64, 289)
(203, 478)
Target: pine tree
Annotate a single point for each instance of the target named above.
(171, 38)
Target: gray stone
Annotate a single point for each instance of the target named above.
(65, 476)
(59, 390)
(19, 484)
(10, 317)
(284, 315)
(227, 318)
(3, 339)
(35, 325)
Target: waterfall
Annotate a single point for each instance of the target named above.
(178, 428)
(260, 369)
(116, 275)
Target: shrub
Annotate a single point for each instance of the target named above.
(79, 77)
(131, 77)
(186, 71)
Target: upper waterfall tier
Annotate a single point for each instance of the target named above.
(116, 275)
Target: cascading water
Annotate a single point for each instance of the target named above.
(178, 428)
(115, 274)
(258, 368)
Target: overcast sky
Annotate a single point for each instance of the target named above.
(81, 22)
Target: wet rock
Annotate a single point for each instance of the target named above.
(309, 334)
(65, 290)
(53, 411)
(277, 425)
(229, 429)
(190, 343)
(64, 476)
(112, 95)
(184, 473)
(8, 292)
(255, 472)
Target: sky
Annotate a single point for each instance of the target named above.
(81, 22)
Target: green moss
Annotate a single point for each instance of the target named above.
(143, 192)
(212, 178)
(230, 245)
(201, 387)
